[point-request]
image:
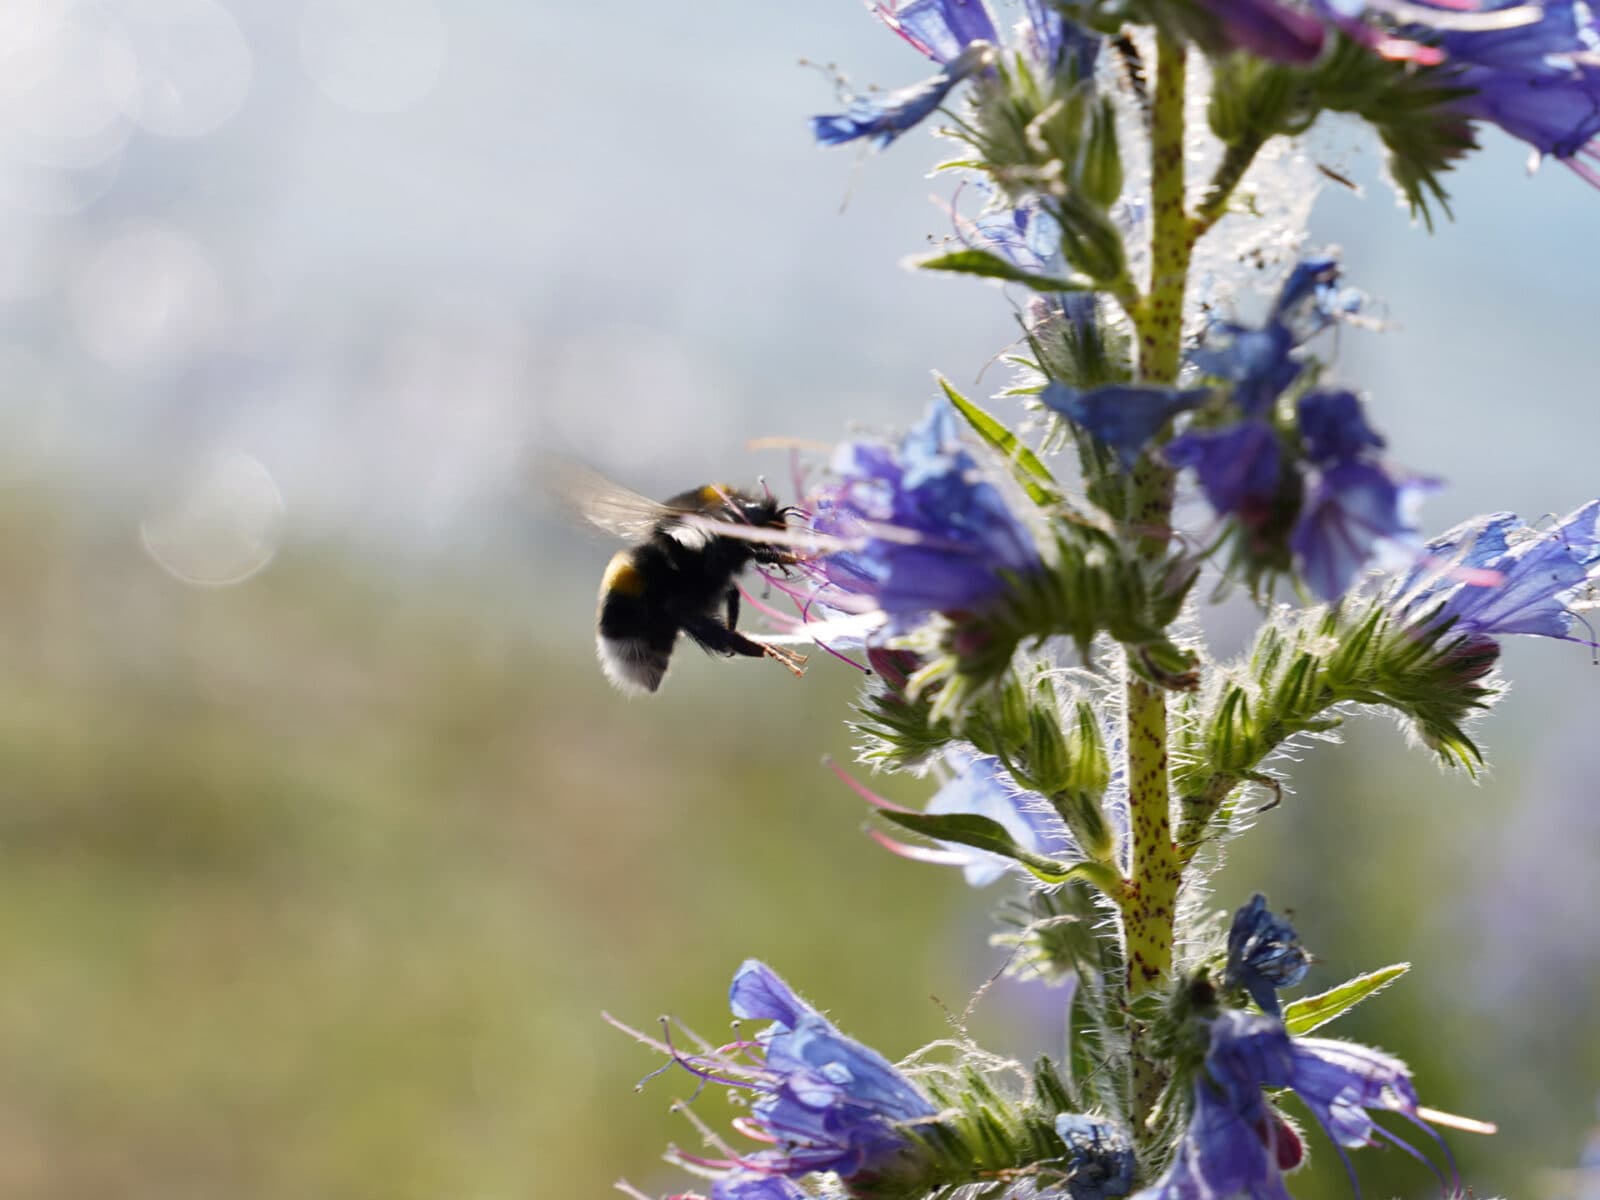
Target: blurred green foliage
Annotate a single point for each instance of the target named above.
(315, 887)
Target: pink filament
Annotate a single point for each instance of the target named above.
(861, 789)
(925, 854)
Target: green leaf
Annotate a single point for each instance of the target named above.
(969, 829)
(992, 266)
(1313, 1012)
(1032, 474)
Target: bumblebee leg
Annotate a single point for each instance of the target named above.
(711, 635)
(773, 556)
(796, 663)
(733, 608)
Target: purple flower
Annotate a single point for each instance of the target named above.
(1220, 1157)
(933, 535)
(1539, 82)
(1497, 576)
(1353, 512)
(1333, 428)
(1256, 361)
(830, 1102)
(1341, 1083)
(961, 36)
(884, 118)
(823, 1101)
(1259, 362)
(1401, 30)
(980, 785)
(745, 1186)
(1349, 507)
(1238, 468)
(1122, 417)
(941, 29)
(983, 787)
(1356, 508)
(1100, 1158)
(1264, 954)
(1237, 1144)
(1026, 235)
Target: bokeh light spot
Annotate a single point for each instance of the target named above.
(219, 522)
(188, 71)
(144, 296)
(373, 56)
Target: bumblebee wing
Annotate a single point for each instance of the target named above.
(590, 496)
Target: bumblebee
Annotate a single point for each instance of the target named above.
(679, 574)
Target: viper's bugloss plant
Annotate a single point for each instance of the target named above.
(1027, 623)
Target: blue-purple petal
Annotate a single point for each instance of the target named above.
(1123, 417)
(759, 994)
(744, 1186)
(1334, 428)
(884, 118)
(831, 1104)
(1238, 467)
(1256, 361)
(1353, 510)
(982, 786)
(1530, 584)
(1539, 82)
(941, 29)
(1100, 1158)
(952, 533)
(1264, 954)
(1220, 1157)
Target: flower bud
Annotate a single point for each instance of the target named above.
(1091, 242)
(1091, 769)
(1101, 180)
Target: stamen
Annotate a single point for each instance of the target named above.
(636, 1035)
(687, 1062)
(765, 609)
(861, 789)
(787, 443)
(924, 854)
(1452, 1121)
(811, 633)
(709, 1137)
(753, 1131)
(1450, 1186)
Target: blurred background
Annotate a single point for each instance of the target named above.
(322, 842)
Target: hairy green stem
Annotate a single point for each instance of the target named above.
(1154, 869)
(1172, 233)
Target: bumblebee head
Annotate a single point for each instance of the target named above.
(758, 511)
